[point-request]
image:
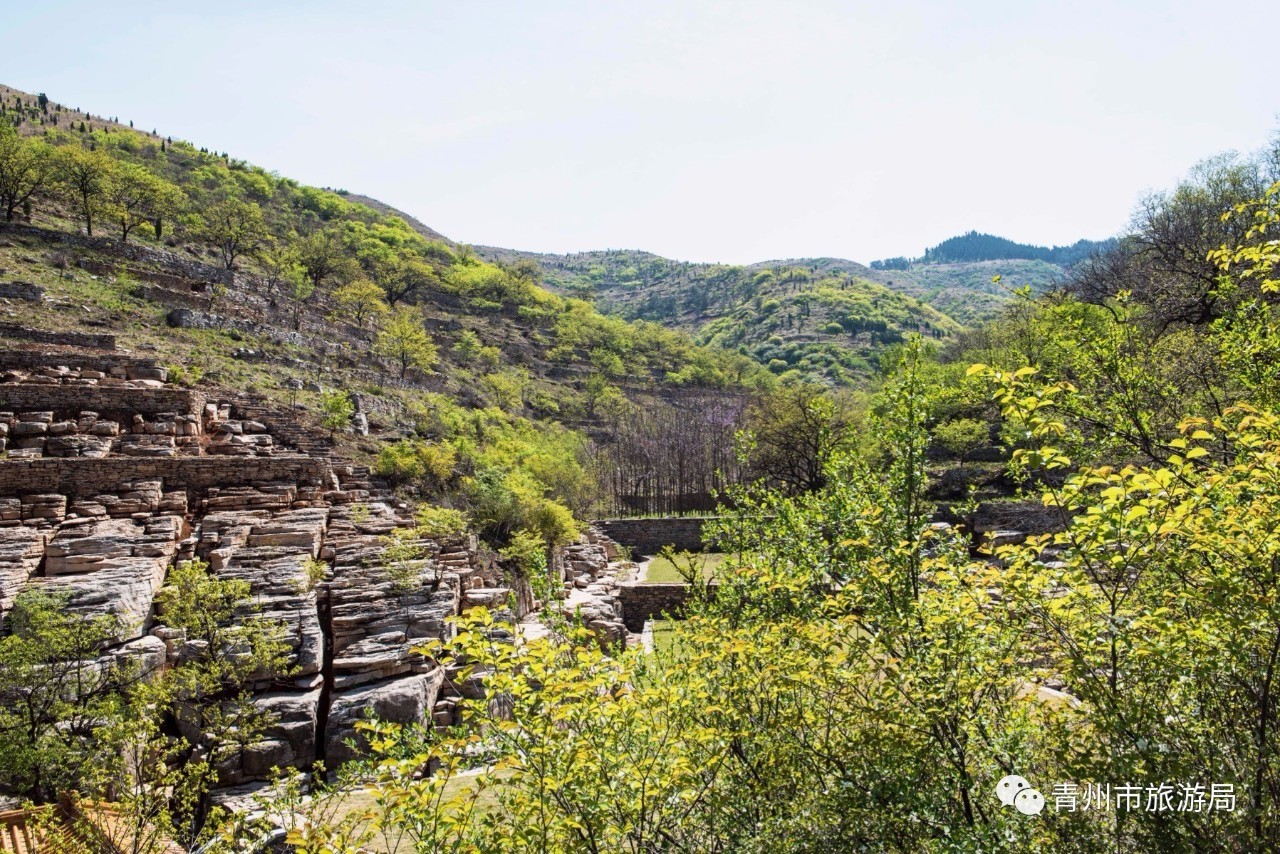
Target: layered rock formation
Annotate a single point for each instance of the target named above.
(112, 477)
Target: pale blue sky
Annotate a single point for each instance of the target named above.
(709, 131)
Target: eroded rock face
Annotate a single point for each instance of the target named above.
(409, 698)
(379, 612)
(290, 742)
(270, 551)
(109, 547)
(592, 590)
(21, 550)
(113, 566)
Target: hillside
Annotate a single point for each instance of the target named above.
(832, 317)
(825, 319)
(280, 287)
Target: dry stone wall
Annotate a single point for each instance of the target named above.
(76, 477)
(646, 601)
(70, 400)
(69, 339)
(21, 290)
(648, 536)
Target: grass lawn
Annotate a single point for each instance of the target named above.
(662, 570)
(663, 635)
(395, 843)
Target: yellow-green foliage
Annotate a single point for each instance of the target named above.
(414, 460)
(511, 472)
(440, 522)
(887, 679)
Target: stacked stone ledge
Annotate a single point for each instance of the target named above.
(134, 475)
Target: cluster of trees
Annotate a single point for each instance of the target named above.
(671, 456)
(509, 474)
(833, 330)
(974, 246)
(900, 262)
(95, 185)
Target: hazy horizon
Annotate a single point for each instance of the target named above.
(698, 131)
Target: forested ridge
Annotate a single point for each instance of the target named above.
(987, 247)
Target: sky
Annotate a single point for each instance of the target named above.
(704, 131)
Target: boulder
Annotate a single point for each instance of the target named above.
(407, 700)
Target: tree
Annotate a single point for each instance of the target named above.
(323, 257)
(25, 166)
(792, 434)
(403, 340)
(467, 347)
(164, 205)
(1164, 261)
(301, 290)
(53, 693)
(403, 279)
(338, 409)
(360, 299)
(281, 270)
(136, 197)
(235, 228)
(85, 175)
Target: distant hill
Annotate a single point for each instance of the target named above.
(826, 318)
(956, 280)
(988, 247)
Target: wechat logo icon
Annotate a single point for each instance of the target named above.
(1014, 791)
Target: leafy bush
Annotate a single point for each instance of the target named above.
(440, 523)
(336, 408)
(505, 502)
(415, 461)
(962, 436)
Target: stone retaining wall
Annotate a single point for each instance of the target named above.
(78, 476)
(71, 339)
(641, 602)
(29, 359)
(21, 290)
(648, 536)
(73, 399)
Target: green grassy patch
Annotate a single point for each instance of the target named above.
(393, 842)
(661, 570)
(664, 634)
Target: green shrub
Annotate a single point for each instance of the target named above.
(400, 463)
(528, 551)
(415, 461)
(504, 502)
(337, 410)
(440, 523)
(962, 436)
